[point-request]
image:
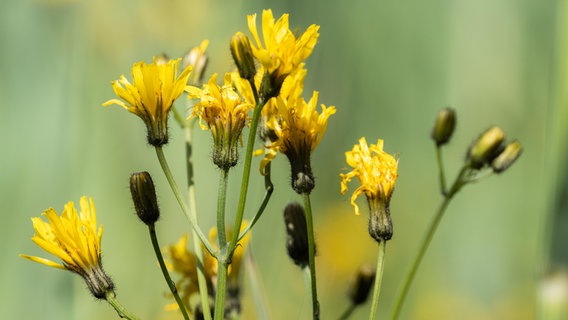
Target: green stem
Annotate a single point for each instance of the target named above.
(221, 289)
(311, 252)
(177, 194)
(378, 278)
(222, 257)
(348, 312)
(441, 170)
(165, 272)
(122, 312)
(460, 181)
(246, 174)
(269, 187)
(201, 280)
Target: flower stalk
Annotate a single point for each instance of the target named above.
(311, 253)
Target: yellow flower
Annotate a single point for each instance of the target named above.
(75, 239)
(156, 87)
(281, 53)
(225, 111)
(377, 173)
(183, 262)
(375, 169)
(298, 128)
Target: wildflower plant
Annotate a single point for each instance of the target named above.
(265, 93)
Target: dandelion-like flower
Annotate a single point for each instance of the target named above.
(377, 173)
(224, 111)
(298, 128)
(156, 86)
(281, 53)
(75, 239)
(184, 262)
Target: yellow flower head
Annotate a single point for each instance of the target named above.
(224, 110)
(156, 87)
(236, 262)
(375, 169)
(281, 53)
(298, 128)
(75, 239)
(183, 262)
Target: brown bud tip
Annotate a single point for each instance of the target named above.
(144, 197)
(444, 126)
(242, 55)
(297, 231)
(507, 157)
(483, 150)
(363, 284)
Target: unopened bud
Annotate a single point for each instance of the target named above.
(297, 231)
(485, 148)
(197, 58)
(162, 58)
(144, 197)
(363, 284)
(242, 54)
(507, 157)
(444, 126)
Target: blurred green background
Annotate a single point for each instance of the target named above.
(388, 67)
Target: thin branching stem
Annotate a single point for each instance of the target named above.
(122, 312)
(312, 254)
(171, 284)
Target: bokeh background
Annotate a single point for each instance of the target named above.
(388, 67)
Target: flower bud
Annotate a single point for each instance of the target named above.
(242, 54)
(297, 230)
(197, 58)
(444, 126)
(363, 284)
(485, 148)
(162, 59)
(144, 197)
(507, 157)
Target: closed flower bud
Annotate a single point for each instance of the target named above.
(363, 284)
(197, 59)
(485, 148)
(444, 126)
(507, 157)
(297, 231)
(144, 197)
(242, 54)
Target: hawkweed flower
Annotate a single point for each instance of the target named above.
(156, 86)
(280, 52)
(377, 173)
(298, 128)
(224, 111)
(183, 262)
(74, 238)
(197, 59)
